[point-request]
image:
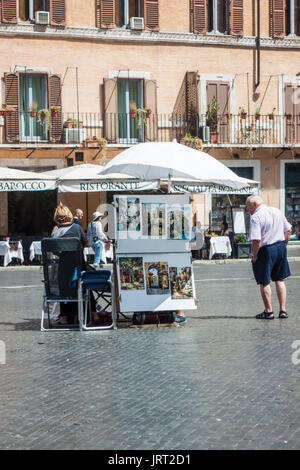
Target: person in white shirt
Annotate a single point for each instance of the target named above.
(269, 234)
(96, 236)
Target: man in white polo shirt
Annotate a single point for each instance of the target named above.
(269, 235)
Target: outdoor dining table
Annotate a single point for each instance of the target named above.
(220, 246)
(35, 250)
(88, 251)
(10, 250)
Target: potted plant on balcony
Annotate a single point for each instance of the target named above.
(33, 110)
(271, 115)
(140, 117)
(94, 142)
(132, 109)
(242, 248)
(257, 113)
(148, 112)
(242, 113)
(6, 110)
(44, 118)
(54, 110)
(212, 120)
(69, 123)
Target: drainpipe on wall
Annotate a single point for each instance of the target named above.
(258, 46)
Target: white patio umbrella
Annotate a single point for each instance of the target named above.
(20, 180)
(170, 160)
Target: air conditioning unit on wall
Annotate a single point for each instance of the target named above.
(74, 136)
(137, 23)
(42, 17)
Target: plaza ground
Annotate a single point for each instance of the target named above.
(223, 381)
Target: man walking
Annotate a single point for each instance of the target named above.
(269, 235)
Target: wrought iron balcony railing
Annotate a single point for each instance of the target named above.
(86, 129)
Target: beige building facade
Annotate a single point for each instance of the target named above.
(92, 59)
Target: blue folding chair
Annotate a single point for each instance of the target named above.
(100, 285)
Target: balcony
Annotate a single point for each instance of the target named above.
(85, 130)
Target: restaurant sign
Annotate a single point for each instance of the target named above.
(210, 189)
(26, 185)
(97, 186)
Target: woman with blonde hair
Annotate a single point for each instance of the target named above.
(65, 227)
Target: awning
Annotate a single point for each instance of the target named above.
(19, 180)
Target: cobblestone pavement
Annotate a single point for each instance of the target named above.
(223, 381)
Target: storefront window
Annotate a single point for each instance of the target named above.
(222, 204)
(292, 194)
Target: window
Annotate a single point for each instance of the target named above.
(293, 17)
(126, 10)
(33, 90)
(79, 156)
(27, 8)
(129, 91)
(111, 13)
(222, 204)
(292, 112)
(218, 16)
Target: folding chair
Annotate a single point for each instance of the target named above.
(100, 286)
(62, 261)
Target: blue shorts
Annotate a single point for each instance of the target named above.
(271, 263)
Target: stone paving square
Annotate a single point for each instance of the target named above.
(223, 381)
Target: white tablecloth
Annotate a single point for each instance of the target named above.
(88, 250)
(34, 250)
(9, 253)
(219, 246)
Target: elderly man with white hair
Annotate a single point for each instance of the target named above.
(269, 235)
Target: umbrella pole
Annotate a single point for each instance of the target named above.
(87, 208)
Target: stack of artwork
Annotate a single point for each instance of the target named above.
(157, 278)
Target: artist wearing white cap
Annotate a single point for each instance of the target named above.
(96, 236)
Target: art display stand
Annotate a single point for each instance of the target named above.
(153, 268)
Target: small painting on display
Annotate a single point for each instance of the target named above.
(157, 279)
(131, 273)
(181, 283)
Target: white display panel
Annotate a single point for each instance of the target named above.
(238, 220)
(152, 223)
(155, 282)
